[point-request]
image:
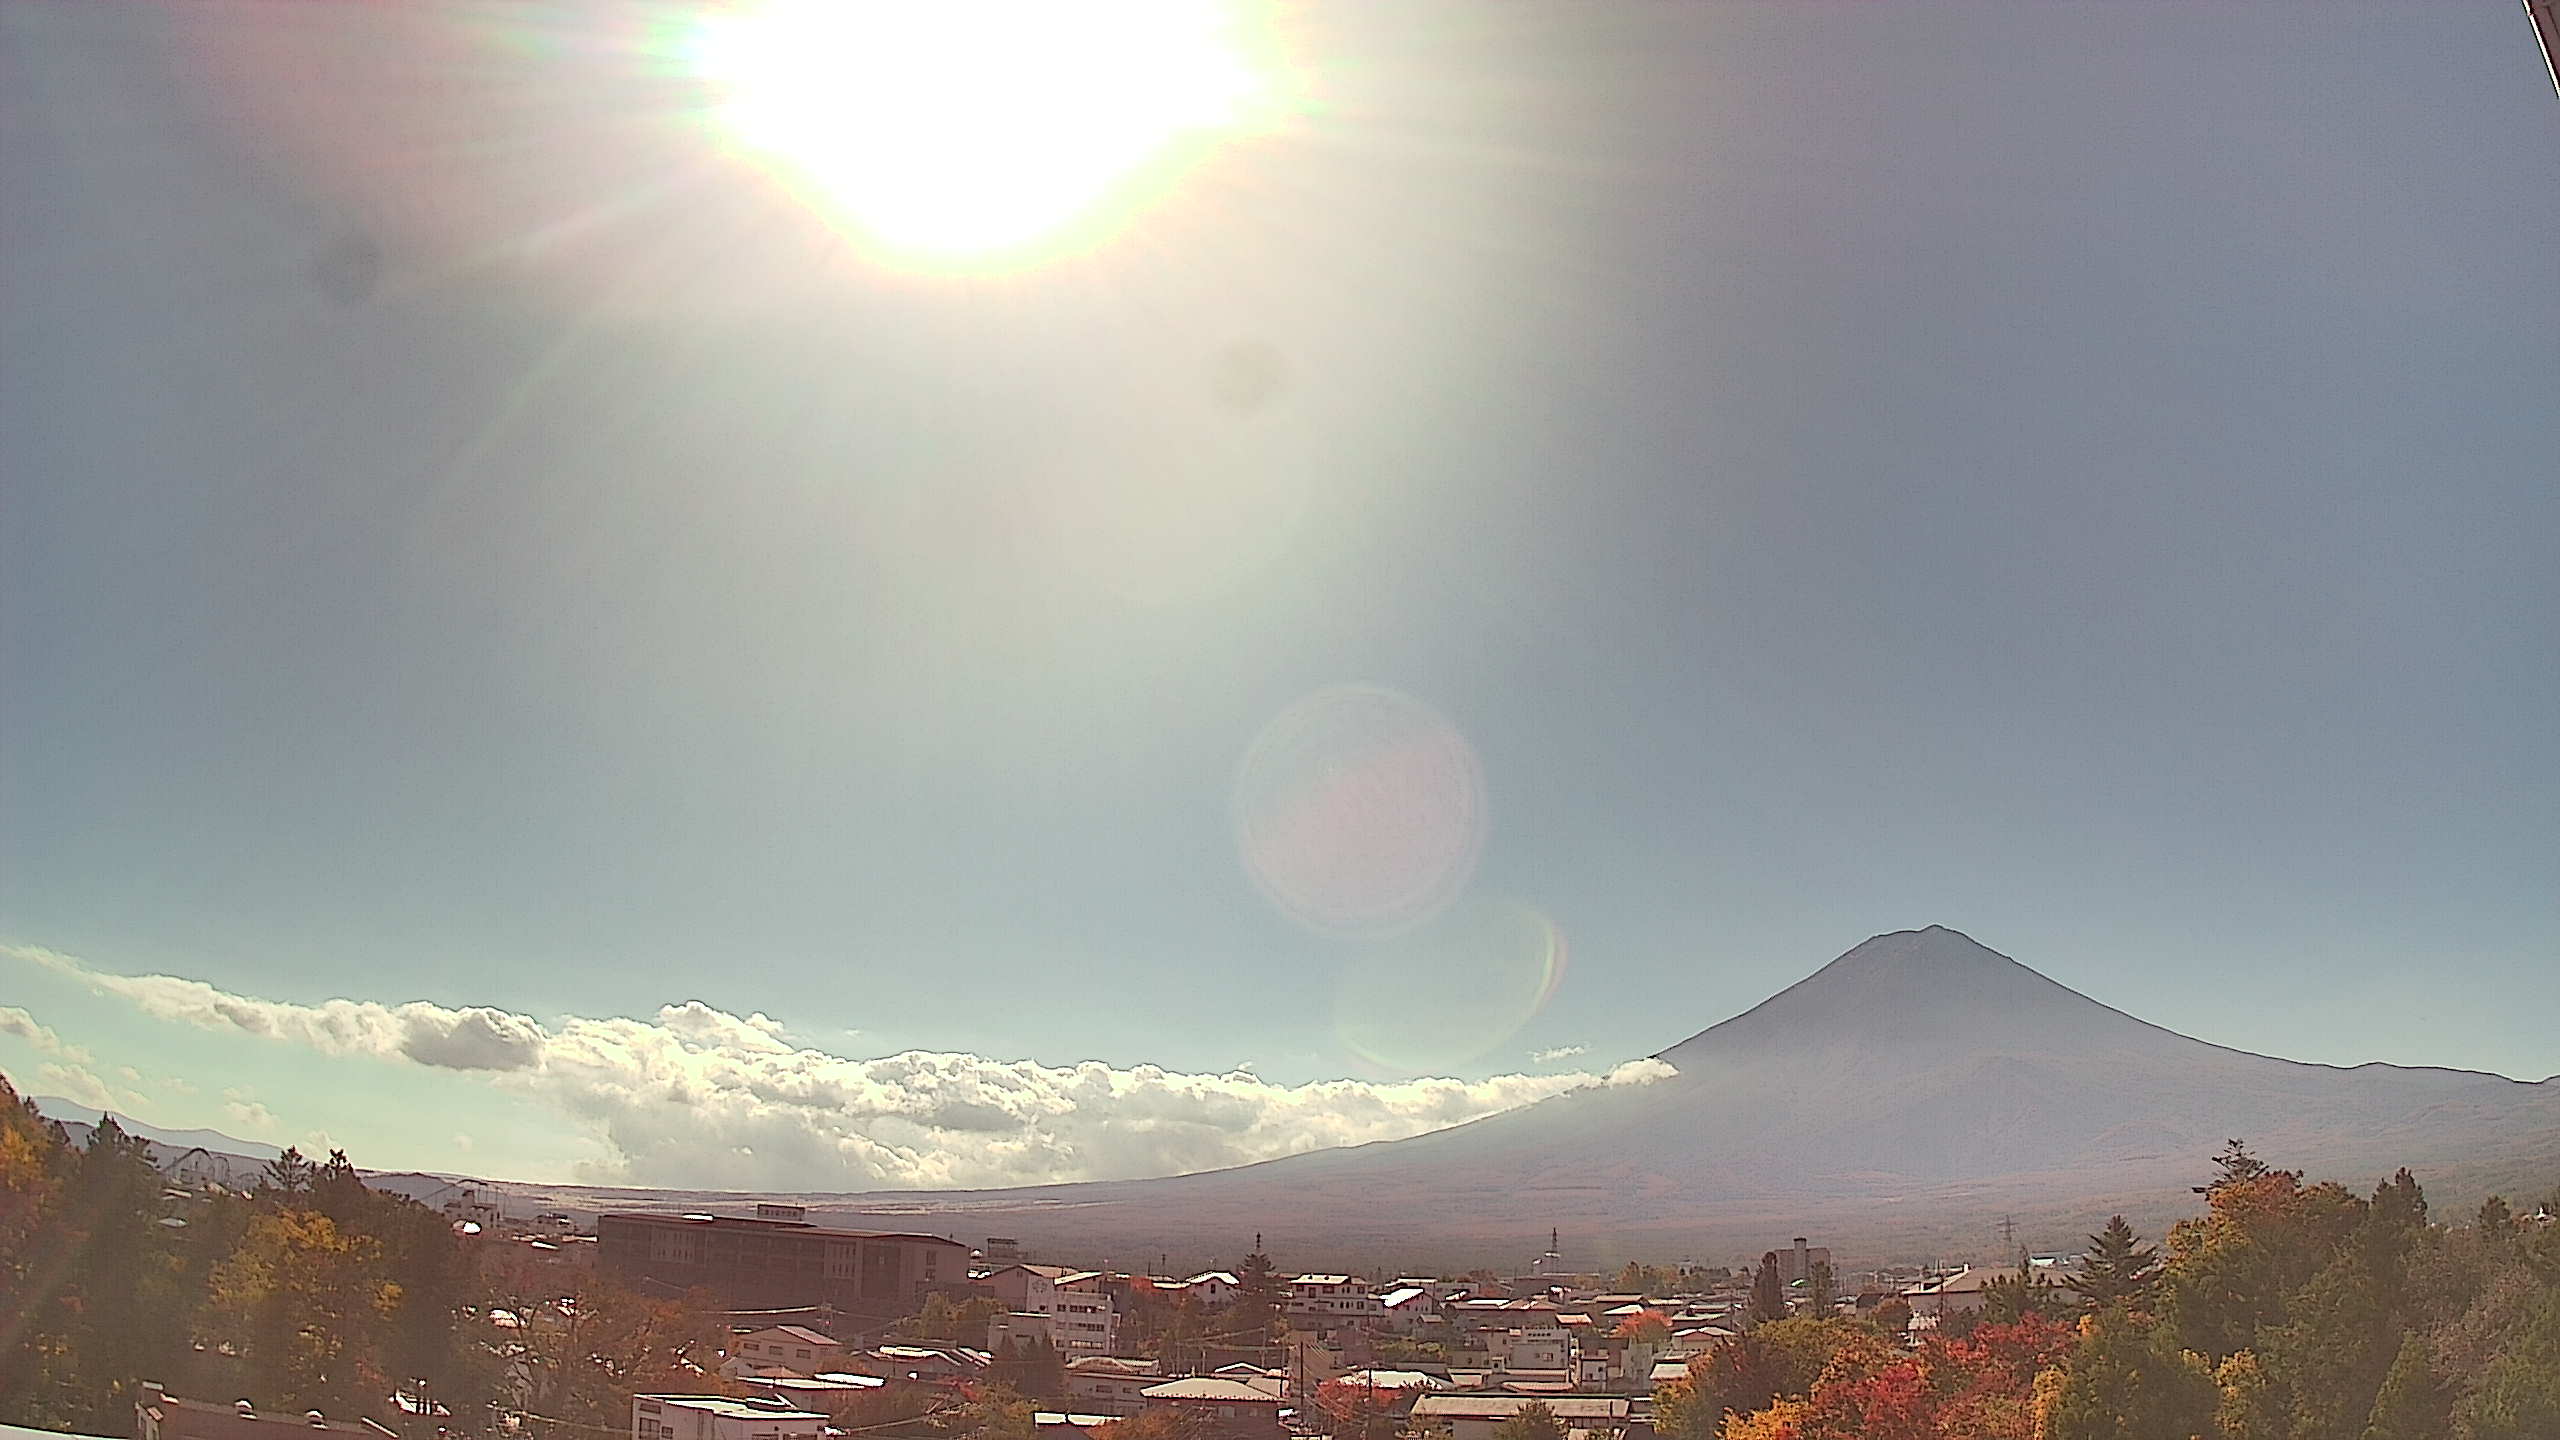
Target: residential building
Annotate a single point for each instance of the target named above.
(1085, 1321)
(1243, 1409)
(159, 1415)
(1107, 1385)
(795, 1348)
(779, 1258)
(1333, 1297)
(1963, 1291)
(1408, 1308)
(717, 1417)
(1210, 1287)
(1473, 1417)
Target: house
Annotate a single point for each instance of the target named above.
(1209, 1287)
(1963, 1291)
(1084, 1321)
(1244, 1409)
(717, 1417)
(928, 1364)
(1408, 1308)
(1473, 1417)
(1107, 1385)
(789, 1347)
(1332, 1297)
(159, 1415)
(1539, 1347)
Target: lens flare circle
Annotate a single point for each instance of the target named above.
(1451, 991)
(1360, 811)
(969, 132)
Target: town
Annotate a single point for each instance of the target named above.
(165, 1304)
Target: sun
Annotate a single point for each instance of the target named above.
(972, 133)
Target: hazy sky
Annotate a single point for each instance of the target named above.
(1673, 490)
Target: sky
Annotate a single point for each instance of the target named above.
(530, 644)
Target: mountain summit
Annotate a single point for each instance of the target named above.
(1899, 1101)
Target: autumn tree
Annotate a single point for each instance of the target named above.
(305, 1302)
(1166, 1422)
(1359, 1411)
(2118, 1270)
(1535, 1420)
(2128, 1380)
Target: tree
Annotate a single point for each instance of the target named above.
(1893, 1317)
(1823, 1283)
(1165, 1422)
(2496, 1220)
(995, 1412)
(305, 1302)
(2118, 1271)
(1255, 1312)
(2232, 1166)
(2411, 1406)
(1768, 1293)
(1533, 1421)
(1359, 1411)
(2128, 1380)
(2518, 1396)
(1031, 1367)
(2013, 1297)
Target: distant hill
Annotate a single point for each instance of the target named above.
(72, 1112)
(1897, 1103)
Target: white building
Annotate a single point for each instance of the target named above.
(1333, 1297)
(717, 1417)
(1083, 1321)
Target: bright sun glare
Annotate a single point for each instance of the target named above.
(971, 132)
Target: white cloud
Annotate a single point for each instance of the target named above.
(251, 1116)
(129, 1075)
(19, 1025)
(1561, 1052)
(75, 1082)
(461, 1141)
(699, 1096)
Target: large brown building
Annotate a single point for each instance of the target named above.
(778, 1258)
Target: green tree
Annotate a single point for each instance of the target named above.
(305, 1302)
(2128, 1380)
(1533, 1421)
(2517, 1397)
(994, 1412)
(2233, 1165)
(2013, 1297)
(1768, 1293)
(2118, 1269)
(2411, 1406)
(1822, 1286)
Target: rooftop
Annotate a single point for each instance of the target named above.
(750, 1223)
(726, 1408)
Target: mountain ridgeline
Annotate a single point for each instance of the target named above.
(1900, 1100)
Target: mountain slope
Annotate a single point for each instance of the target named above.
(1897, 1101)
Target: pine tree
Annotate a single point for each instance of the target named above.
(2117, 1271)
(2235, 1164)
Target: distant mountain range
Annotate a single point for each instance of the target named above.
(1900, 1102)
(81, 1119)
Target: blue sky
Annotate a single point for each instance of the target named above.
(2080, 474)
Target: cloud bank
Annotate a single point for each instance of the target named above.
(698, 1097)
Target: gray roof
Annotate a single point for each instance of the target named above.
(1503, 1407)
